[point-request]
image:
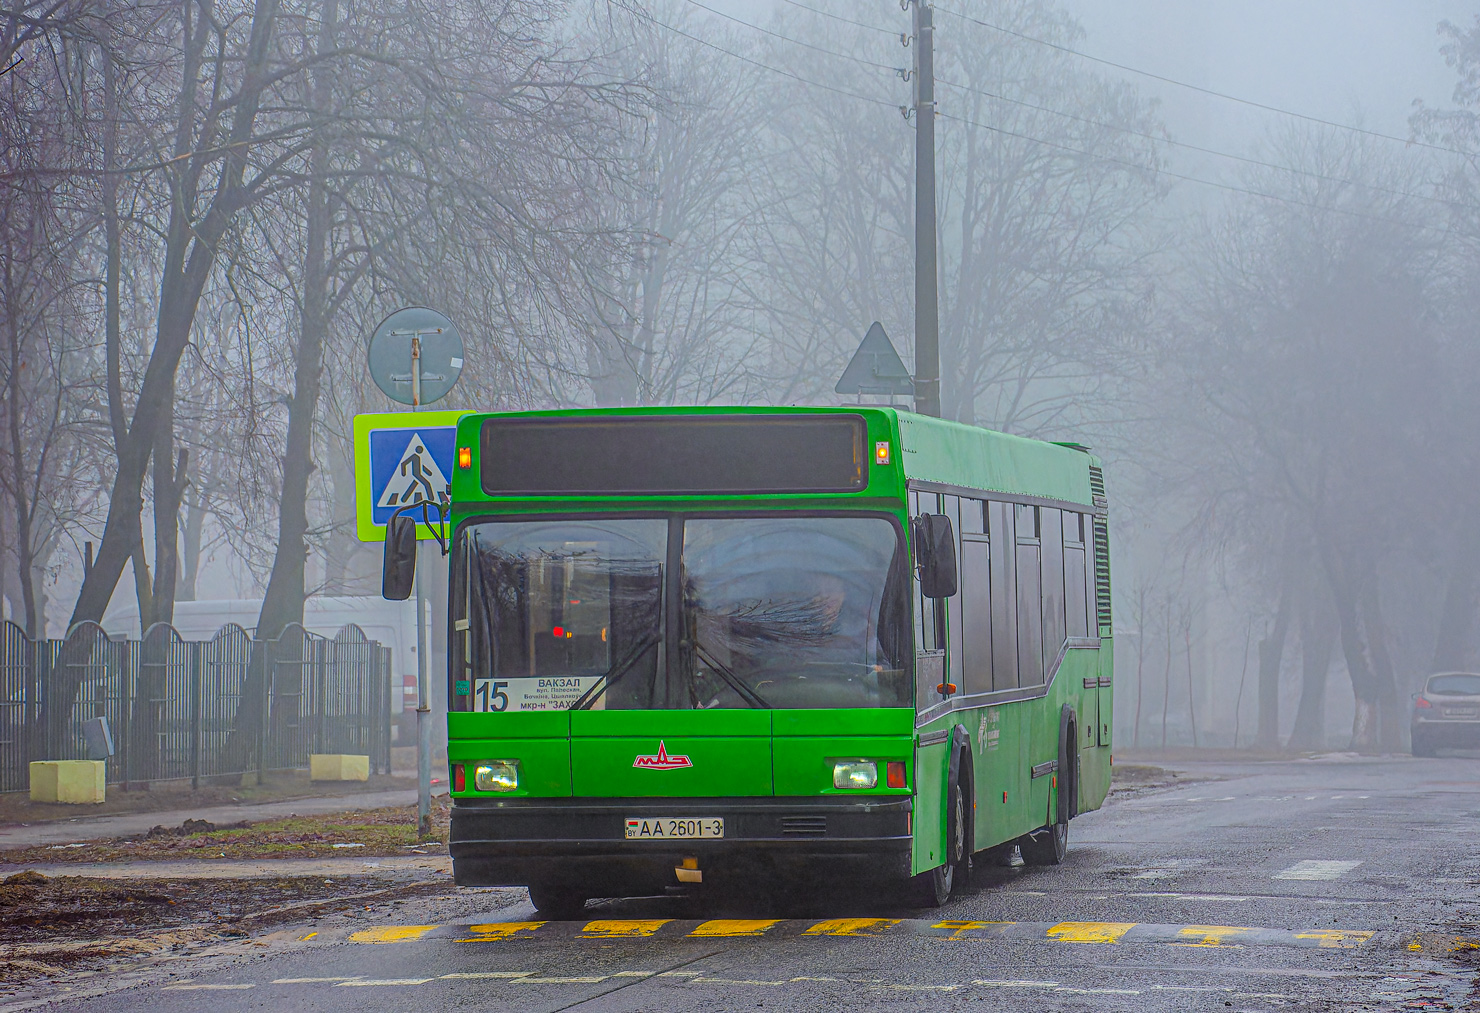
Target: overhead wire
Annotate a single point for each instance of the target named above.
(763, 66)
(1156, 170)
(1407, 141)
(1245, 159)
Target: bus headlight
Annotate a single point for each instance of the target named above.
(497, 775)
(855, 774)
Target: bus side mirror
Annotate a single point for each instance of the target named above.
(398, 569)
(935, 553)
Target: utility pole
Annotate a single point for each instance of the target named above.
(927, 304)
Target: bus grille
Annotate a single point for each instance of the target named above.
(804, 826)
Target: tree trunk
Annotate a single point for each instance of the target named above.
(1271, 658)
(282, 603)
(195, 520)
(1317, 640)
(20, 497)
(1390, 718)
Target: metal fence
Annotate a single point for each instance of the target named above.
(193, 709)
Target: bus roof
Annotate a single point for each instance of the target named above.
(933, 451)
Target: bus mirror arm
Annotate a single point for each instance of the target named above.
(398, 567)
(439, 531)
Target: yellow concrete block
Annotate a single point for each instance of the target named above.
(338, 767)
(73, 781)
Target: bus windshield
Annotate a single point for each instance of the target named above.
(775, 611)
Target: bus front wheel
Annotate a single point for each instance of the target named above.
(934, 888)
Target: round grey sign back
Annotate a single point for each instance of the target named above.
(390, 354)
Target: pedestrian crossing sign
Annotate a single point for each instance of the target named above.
(402, 459)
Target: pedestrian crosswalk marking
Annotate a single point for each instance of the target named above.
(724, 927)
(1317, 870)
(674, 930)
(614, 928)
(851, 927)
(390, 933)
(1090, 932)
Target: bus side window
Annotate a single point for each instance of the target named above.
(976, 599)
(952, 508)
(1029, 597)
(1003, 596)
(1076, 600)
(1051, 546)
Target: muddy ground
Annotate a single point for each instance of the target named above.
(377, 832)
(53, 926)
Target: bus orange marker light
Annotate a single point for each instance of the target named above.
(464, 457)
(896, 774)
(946, 688)
(1004, 796)
(881, 452)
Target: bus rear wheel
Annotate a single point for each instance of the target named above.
(1046, 845)
(558, 902)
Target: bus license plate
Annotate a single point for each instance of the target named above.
(665, 828)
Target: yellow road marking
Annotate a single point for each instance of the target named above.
(852, 927)
(390, 933)
(1337, 939)
(498, 930)
(960, 927)
(306, 938)
(1090, 932)
(736, 981)
(383, 981)
(487, 974)
(627, 927)
(1211, 935)
(735, 927)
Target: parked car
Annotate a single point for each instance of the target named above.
(1446, 713)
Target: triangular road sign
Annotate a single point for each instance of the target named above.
(876, 367)
(417, 478)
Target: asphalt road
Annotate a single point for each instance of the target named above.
(1330, 884)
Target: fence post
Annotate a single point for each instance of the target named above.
(267, 673)
(197, 653)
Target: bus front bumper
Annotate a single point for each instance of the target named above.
(582, 842)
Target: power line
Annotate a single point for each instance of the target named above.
(764, 66)
(1194, 179)
(1199, 88)
(1184, 177)
(796, 42)
(839, 17)
(1245, 159)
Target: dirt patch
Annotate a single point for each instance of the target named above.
(378, 832)
(282, 786)
(58, 925)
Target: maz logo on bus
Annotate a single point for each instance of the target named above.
(661, 760)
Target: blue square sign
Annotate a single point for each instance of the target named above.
(402, 460)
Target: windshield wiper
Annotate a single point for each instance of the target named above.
(610, 677)
(747, 694)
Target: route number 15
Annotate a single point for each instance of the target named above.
(489, 695)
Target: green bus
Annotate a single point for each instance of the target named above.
(764, 645)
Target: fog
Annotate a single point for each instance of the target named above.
(1261, 320)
